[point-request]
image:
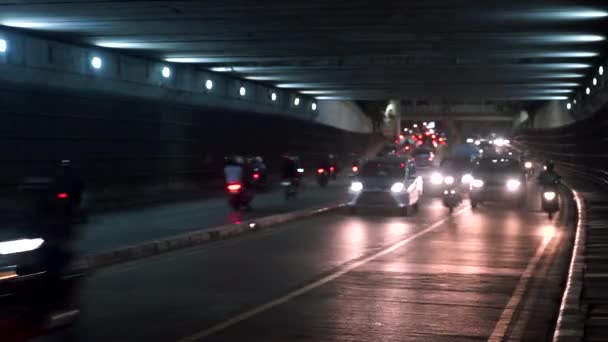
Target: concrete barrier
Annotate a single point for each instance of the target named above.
(194, 238)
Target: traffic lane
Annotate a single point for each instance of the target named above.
(116, 229)
(161, 298)
(452, 284)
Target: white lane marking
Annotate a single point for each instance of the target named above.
(504, 321)
(307, 288)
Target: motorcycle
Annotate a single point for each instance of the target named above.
(259, 180)
(451, 196)
(289, 188)
(238, 196)
(550, 200)
(333, 173)
(322, 177)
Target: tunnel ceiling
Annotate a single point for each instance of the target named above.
(352, 49)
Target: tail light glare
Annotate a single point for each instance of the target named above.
(234, 187)
(319, 171)
(331, 168)
(62, 195)
(256, 176)
(355, 168)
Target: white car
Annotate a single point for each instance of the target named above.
(389, 182)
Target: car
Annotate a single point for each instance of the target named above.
(423, 157)
(388, 182)
(498, 179)
(452, 171)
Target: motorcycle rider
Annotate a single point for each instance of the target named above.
(234, 170)
(548, 177)
(66, 181)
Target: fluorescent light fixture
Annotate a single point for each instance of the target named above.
(3, 45)
(567, 54)
(561, 13)
(28, 24)
(273, 96)
(296, 101)
(19, 246)
(242, 91)
(313, 106)
(96, 62)
(564, 38)
(594, 81)
(124, 45)
(209, 84)
(166, 72)
(556, 75)
(550, 91)
(221, 69)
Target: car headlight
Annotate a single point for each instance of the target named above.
(449, 180)
(466, 178)
(549, 195)
(477, 183)
(397, 187)
(528, 165)
(453, 192)
(436, 178)
(19, 246)
(300, 170)
(513, 184)
(356, 186)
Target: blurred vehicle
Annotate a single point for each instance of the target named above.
(459, 169)
(498, 179)
(238, 183)
(384, 183)
(423, 157)
(259, 173)
(322, 176)
(549, 182)
(451, 197)
(387, 150)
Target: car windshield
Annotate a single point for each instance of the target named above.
(498, 165)
(383, 169)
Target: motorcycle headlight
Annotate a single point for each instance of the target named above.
(19, 246)
(436, 178)
(356, 186)
(549, 195)
(466, 178)
(448, 180)
(397, 187)
(477, 183)
(528, 165)
(513, 184)
(453, 192)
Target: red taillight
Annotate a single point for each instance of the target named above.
(234, 187)
(402, 165)
(331, 168)
(407, 147)
(320, 170)
(431, 158)
(355, 168)
(256, 176)
(62, 195)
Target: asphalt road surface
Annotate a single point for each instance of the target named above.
(481, 275)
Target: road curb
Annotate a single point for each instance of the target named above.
(194, 238)
(570, 320)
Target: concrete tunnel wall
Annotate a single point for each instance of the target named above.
(127, 127)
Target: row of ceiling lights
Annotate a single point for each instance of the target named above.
(165, 71)
(594, 82)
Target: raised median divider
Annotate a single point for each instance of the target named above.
(194, 238)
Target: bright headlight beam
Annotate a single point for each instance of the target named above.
(356, 186)
(19, 246)
(397, 187)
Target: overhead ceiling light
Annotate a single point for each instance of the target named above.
(568, 106)
(556, 75)
(567, 54)
(600, 70)
(29, 24)
(594, 81)
(3, 46)
(557, 65)
(563, 38)
(184, 60)
(209, 84)
(222, 69)
(574, 101)
(166, 72)
(273, 96)
(124, 45)
(296, 101)
(242, 91)
(563, 13)
(96, 62)
(313, 106)
(588, 91)
(550, 91)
